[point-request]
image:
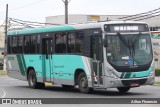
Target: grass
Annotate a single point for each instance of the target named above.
(3, 73)
(157, 83)
(1, 67)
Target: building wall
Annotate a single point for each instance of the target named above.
(1, 43)
(86, 18)
(58, 20)
(1, 37)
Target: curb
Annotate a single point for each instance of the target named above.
(156, 85)
(3, 73)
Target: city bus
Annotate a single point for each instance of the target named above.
(99, 55)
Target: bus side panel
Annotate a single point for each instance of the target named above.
(34, 61)
(64, 67)
(16, 67)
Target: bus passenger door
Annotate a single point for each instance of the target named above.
(97, 55)
(47, 63)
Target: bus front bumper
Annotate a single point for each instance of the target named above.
(131, 82)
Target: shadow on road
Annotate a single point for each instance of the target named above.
(108, 92)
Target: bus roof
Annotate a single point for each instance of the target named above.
(67, 27)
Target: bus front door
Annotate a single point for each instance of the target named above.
(97, 55)
(47, 61)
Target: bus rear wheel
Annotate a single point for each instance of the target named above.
(83, 84)
(32, 80)
(123, 89)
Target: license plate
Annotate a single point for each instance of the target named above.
(135, 84)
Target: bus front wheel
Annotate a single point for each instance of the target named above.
(123, 89)
(83, 84)
(32, 80)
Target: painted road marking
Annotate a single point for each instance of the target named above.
(4, 93)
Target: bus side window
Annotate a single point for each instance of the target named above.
(27, 42)
(75, 43)
(33, 44)
(61, 42)
(9, 45)
(20, 46)
(38, 43)
(71, 42)
(15, 45)
(79, 43)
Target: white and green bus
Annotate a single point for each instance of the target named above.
(114, 54)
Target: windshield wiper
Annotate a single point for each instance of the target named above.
(130, 44)
(133, 46)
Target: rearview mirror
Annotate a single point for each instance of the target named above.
(2, 53)
(105, 42)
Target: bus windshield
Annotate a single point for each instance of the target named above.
(129, 49)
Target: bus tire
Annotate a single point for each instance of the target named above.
(83, 83)
(123, 89)
(32, 80)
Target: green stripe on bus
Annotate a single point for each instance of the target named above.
(24, 64)
(122, 75)
(128, 74)
(20, 63)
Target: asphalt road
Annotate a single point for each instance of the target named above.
(13, 88)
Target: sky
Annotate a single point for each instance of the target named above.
(38, 10)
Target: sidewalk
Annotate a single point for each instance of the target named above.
(157, 79)
(2, 73)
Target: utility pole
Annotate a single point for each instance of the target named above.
(5, 40)
(66, 2)
(6, 25)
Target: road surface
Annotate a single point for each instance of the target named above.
(13, 88)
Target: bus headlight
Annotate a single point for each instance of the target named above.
(151, 73)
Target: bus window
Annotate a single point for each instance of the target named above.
(33, 44)
(71, 43)
(9, 45)
(38, 44)
(61, 43)
(27, 43)
(20, 46)
(14, 44)
(75, 43)
(79, 43)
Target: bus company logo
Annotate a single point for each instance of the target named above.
(6, 101)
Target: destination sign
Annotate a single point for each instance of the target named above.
(126, 28)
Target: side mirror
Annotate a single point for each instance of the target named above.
(2, 53)
(105, 42)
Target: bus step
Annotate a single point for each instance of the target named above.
(48, 83)
(98, 87)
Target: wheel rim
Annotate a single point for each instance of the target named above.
(32, 80)
(83, 83)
